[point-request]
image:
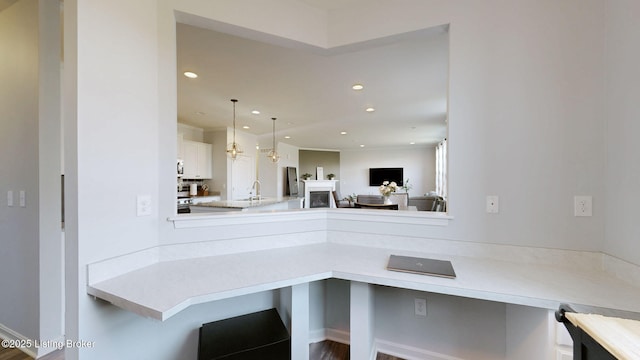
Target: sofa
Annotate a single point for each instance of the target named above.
(401, 199)
(428, 203)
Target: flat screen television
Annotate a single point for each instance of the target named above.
(379, 175)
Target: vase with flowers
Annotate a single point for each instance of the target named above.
(386, 189)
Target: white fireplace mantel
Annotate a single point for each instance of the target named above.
(318, 185)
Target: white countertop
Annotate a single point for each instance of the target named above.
(244, 204)
(162, 289)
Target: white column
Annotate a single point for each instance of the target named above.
(530, 333)
(300, 321)
(362, 320)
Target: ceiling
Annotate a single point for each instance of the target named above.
(6, 3)
(309, 91)
(334, 4)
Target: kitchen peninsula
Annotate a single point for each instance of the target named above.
(268, 203)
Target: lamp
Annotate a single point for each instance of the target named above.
(273, 154)
(233, 149)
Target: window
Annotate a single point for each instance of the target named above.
(441, 169)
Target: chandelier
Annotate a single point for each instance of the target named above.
(233, 149)
(273, 154)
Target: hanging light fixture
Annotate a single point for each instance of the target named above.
(273, 154)
(233, 149)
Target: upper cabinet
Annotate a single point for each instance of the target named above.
(197, 159)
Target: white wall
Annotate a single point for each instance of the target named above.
(454, 326)
(191, 133)
(418, 163)
(525, 124)
(272, 176)
(622, 129)
(218, 141)
(19, 260)
(51, 255)
(111, 84)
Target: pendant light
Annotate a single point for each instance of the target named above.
(273, 154)
(233, 149)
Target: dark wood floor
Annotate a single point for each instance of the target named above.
(16, 354)
(325, 350)
(331, 350)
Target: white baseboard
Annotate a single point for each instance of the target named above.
(34, 348)
(408, 352)
(339, 336)
(8, 334)
(383, 346)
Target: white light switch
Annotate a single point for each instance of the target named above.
(144, 205)
(420, 307)
(493, 204)
(23, 198)
(10, 198)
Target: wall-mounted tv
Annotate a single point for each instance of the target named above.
(379, 175)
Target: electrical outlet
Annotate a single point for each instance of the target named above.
(23, 198)
(493, 204)
(10, 198)
(144, 205)
(582, 206)
(420, 306)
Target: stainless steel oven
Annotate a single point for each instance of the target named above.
(184, 201)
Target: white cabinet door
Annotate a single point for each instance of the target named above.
(564, 354)
(190, 158)
(204, 161)
(197, 160)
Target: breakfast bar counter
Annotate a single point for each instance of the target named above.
(268, 203)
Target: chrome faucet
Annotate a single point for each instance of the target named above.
(256, 187)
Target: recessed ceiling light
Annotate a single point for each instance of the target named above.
(343, 133)
(412, 143)
(246, 127)
(369, 109)
(357, 87)
(287, 137)
(362, 145)
(255, 112)
(190, 74)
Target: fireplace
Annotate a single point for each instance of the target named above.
(319, 199)
(317, 193)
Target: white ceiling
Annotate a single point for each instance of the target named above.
(309, 90)
(334, 4)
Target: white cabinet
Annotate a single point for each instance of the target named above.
(197, 160)
(564, 343)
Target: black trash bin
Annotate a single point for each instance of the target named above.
(256, 336)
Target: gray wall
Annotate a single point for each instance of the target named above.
(622, 170)
(19, 162)
(328, 160)
(31, 259)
